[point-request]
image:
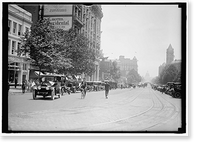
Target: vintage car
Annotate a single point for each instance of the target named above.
(48, 85)
(176, 93)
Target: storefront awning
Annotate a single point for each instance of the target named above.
(34, 74)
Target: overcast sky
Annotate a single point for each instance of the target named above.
(144, 31)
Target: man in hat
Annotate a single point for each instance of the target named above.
(107, 88)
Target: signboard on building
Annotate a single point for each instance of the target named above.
(64, 23)
(57, 10)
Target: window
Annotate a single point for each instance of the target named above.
(14, 27)
(18, 46)
(8, 46)
(24, 67)
(9, 25)
(13, 47)
(19, 29)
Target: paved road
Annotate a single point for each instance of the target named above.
(137, 109)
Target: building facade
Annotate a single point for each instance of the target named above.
(19, 20)
(91, 17)
(127, 65)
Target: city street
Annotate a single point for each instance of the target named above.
(140, 109)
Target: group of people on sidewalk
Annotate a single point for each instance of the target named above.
(26, 85)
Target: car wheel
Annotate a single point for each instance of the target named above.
(178, 95)
(34, 95)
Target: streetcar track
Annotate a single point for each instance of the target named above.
(157, 114)
(123, 119)
(174, 113)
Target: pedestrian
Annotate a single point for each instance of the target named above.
(107, 88)
(28, 85)
(23, 87)
(15, 82)
(83, 88)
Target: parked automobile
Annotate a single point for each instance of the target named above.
(176, 93)
(48, 85)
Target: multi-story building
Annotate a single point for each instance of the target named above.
(91, 17)
(19, 20)
(127, 65)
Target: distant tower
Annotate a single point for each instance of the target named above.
(170, 55)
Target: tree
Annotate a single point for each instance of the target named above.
(77, 49)
(169, 74)
(114, 71)
(43, 47)
(156, 80)
(133, 77)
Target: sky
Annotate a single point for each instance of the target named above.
(143, 31)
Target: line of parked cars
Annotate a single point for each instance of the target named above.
(55, 85)
(171, 88)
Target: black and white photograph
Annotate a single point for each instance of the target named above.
(111, 68)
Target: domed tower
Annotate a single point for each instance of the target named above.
(170, 55)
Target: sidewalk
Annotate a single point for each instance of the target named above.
(18, 89)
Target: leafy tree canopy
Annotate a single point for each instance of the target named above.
(133, 77)
(76, 47)
(115, 71)
(43, 47)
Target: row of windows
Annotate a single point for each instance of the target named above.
(13, 46)
(127, 67)
(15, 28)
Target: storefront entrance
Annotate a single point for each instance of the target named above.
(13, 72)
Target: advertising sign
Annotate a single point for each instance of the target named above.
(57, 9)
(64, 23)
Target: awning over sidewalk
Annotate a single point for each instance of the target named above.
(34, 74)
